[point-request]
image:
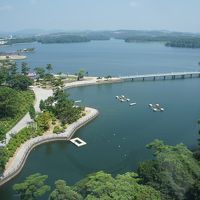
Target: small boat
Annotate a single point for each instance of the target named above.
(132, 104)
(117, 97)
(122, 100)
(162, 109)
(150, 105)
(127, 99)
(122, 96)
(156, 109)
(78, 101)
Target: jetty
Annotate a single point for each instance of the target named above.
(161, 76)
(78, 142)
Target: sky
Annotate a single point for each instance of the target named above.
(75, 15)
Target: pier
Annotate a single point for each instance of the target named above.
(161, 76)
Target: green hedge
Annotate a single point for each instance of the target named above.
(15, 142)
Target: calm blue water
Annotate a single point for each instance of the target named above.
(113, 57)
(116, 139)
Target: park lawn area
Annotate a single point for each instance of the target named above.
(24, 100)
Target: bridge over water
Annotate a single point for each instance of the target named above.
(163, 76)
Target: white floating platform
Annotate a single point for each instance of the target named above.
(78, 142)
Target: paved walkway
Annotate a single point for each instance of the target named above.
(40, 94)
(17, 162)
(43, 94)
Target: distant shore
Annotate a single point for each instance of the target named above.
(12, 57)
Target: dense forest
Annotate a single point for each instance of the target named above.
(185, 43)
(62, 39)
(15, 96)
(172, 39)
(173, 174)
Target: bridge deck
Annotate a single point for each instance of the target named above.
(161, 75)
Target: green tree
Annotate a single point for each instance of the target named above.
(32, 112)
(44, 121)
(62, 107)
(20, 82)
(40, 72)
(33, 187)
(2, 160)
(24, 68)
(197, 151)
(13, 69)
(173, 171)
(49, 68)
(198, 122)
(80, 74)
(194, 192)
(42, 105)
(103, 186)
(64, 192)
(9, 102)
(3, 75)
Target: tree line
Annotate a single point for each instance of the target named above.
(173, 173)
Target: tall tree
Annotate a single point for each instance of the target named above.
(173, 171)
(44, 121)
(33, 187)
(32, 112)
(40, 71)
(20, 82)
(80, 74)
(24, 68)
(103, 186)
(13, 69)
(9, 102)
(49, 68)
(3, 75)
(64, 192)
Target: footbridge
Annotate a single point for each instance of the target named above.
(161, 76)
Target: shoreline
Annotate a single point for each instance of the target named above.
(12, 57)
(17, 162)
(92, 81)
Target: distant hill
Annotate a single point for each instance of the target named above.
(172, 39)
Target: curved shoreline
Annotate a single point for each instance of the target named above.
(20, 158)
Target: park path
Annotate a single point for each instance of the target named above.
(40, 94)
(43, 94)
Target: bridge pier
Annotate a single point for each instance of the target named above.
(164, 77)
(199, 75)
(154, 78)
(190, 75)
(183, 76)
(143, 78)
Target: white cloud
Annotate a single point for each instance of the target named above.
(5, 8)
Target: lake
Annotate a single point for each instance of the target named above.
(116, 139)
(114, 57)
